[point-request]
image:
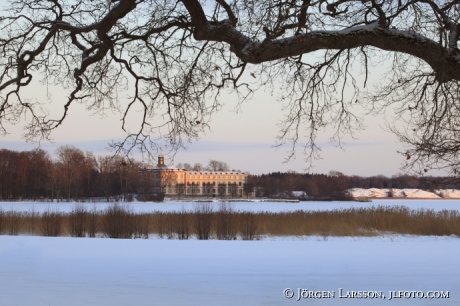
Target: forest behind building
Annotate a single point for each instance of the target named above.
(74, 174)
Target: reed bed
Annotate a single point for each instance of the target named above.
(223, 222)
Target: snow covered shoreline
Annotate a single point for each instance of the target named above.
(406, 193)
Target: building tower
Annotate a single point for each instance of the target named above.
(161, 161)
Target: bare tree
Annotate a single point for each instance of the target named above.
(233, 189)
(54, 182)
(222, 189)
(88, 174)
(248, 189)
(106, 170)
(175, 57)
(197, 167)
(71, 164)
(180, 189)
(216, 165)
(128, 175)
(194, 189)
(168, 179)
(390, 193)
(208, 189)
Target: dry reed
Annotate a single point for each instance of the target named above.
(226, 227)
(2, 220)
(120, 221)
(51, 222)
(77, 221)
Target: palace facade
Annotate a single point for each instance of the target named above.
(174, 182)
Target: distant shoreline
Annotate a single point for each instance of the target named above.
(397, 198)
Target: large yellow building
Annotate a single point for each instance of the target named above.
(174, 182)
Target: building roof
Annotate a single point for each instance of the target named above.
(212, 172)
(166, 168)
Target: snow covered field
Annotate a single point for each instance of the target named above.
(243, 206)
(72, 271)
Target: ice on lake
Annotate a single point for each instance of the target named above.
(436, 205)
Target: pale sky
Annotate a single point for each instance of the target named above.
(244, 140)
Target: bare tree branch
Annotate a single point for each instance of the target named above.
(175, 58)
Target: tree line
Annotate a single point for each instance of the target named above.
(334, 184)
(213, 165)
(74, 174)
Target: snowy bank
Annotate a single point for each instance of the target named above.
(405, 193)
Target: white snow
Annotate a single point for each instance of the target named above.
(436, 205)
(299, 193)
(449, 193)
(371, 192)
(101, 271)
(405, 193)
(71, 271)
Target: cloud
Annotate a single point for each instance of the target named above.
(209, 145)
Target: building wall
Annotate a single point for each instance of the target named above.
(215, 183)
(177, 182)
(183, 183)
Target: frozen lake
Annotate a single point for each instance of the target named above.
(84, 271)
(100, 271)
(246, 206)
